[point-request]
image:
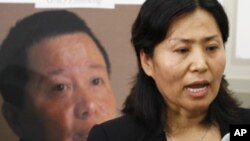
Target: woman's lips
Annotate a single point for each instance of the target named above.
(197, 89)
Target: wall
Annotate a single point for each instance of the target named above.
(237, 70)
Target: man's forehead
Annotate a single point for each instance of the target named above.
(59, 56)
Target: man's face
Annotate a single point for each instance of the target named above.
(68, 89)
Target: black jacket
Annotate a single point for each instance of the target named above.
(126, 128)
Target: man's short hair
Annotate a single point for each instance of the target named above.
(26, 32)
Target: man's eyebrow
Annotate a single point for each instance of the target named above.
(49, 74)
(55, 72)
(58, 71)
(97, 66)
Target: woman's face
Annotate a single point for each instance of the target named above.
(188, 65)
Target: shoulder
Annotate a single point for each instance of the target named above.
(126, 121)
(241, 116)
(120, 129)
(245, 115)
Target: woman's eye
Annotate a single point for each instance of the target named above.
(182, 50)
(212, 48)
(96, 81)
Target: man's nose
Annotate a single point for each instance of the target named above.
(199, 62)
(85, 107)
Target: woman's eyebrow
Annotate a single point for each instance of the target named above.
(186, 40)
(209, 38)
(181, 40)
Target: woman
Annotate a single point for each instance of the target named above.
(180, 93)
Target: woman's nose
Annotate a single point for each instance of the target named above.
(85, 107)
(198, 62)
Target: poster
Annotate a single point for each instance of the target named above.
(129, 1)
(17, 1)
(74, 4)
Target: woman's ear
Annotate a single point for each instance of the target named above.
(12, 115)
(147, 64)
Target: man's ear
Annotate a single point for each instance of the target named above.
(12, 115)
(146, 62)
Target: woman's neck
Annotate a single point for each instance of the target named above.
(179, 120)
(184, 125)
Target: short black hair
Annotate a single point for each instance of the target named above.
(26, 32)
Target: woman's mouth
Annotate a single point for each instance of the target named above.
(197, 89)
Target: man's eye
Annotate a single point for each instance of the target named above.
(60, 87)
(96, 81)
